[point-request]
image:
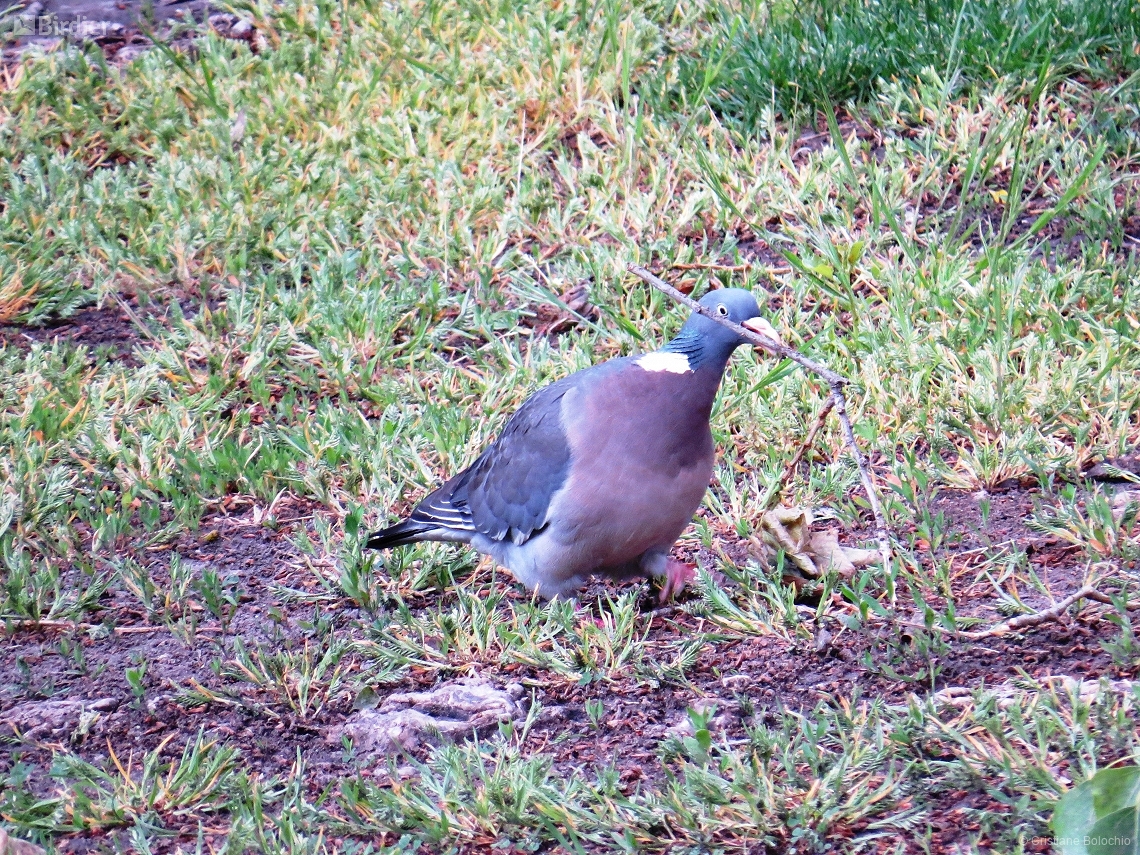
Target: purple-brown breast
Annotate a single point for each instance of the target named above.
(641, 459)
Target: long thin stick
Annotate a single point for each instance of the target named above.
(865, 476)
(820, 419)
(760, 341)
(1054, 612)
(1035, 619)
(835, 383)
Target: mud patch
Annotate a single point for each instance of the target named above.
(109, 333)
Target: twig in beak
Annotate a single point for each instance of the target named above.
(770, 341)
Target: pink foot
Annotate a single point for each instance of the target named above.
(677, 575)
(583, 612)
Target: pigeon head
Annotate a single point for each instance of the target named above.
(703, 340)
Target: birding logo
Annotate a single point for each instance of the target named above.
(21, 26)
(78, 28)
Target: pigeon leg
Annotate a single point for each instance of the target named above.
(677, 575)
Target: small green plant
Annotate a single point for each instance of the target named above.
(595, 710)
(347, 750)
(1124, 649)
(304, 679)
(1089, 520)
(136, 680)
(860, 594)
(139, 582)
(358, 581)
(1100, 816)
(696, 747)
(219, 595)
(71, 649)
(181, 582)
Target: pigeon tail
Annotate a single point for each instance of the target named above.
(401, 534)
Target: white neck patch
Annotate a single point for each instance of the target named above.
(660, 360)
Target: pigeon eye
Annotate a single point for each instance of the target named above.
(722, 310)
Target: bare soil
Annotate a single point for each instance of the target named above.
(281, 601)
(108, 332)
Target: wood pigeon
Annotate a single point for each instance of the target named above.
(598, 473)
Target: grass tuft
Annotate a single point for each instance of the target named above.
(799, 57)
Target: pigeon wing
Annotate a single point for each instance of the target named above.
(505, 494)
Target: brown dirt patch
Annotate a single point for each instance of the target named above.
(108, 332)
(283, 604)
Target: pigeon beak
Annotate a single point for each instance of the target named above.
(761, 326)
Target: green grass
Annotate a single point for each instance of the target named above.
(337, 300)
(797, 57)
